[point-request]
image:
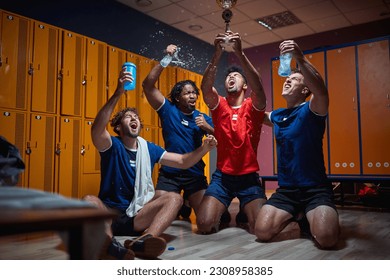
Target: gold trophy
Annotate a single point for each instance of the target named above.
(227, 15)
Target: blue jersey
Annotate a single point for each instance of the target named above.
(181, 134)
(117, 166)
(299, 133)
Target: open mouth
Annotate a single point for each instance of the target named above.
(231, 83)
(133, 126)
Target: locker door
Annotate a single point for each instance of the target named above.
(90, 155)
(374, 91)
(116, 58)
(167, 80)
(181, 74)
(151, 134)
(318, 60)
(68, 149)
(343, 112)
(14, 61)
(96, 80)
(147, 114)
(90, 178)
(41, 146)
(44, 68)
(13, 126)
(132, 95)
(72, 74)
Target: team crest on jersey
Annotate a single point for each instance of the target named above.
(132, 163)
(184, 122)
(234, 117)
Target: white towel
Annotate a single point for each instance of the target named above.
(143, 187)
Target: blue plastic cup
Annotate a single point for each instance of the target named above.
(132, 68)
(284, 66)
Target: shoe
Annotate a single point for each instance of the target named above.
(185, 210)
(242, 220)
(114, 250)
(224, 221)
(146, 246)
(304, 226)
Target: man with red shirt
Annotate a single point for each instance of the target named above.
(237, 122)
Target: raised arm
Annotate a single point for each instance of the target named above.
(319, 101)
(185, 161)
(253, 76)
(210, 94)
(153, 94)
(100, 136)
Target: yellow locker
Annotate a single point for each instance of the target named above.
(343, 112)
(41, 150)
(116, 58)
(90, 178)
(374, 93)
(167, 80)
(96, 77)
(43, 67)
(147, 113)
(14, 61)
(181, 74)
(68, 150)
(13, 127)
(72, 73)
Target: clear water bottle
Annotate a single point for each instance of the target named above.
(130, 67)
(166, 60)
(284, 66)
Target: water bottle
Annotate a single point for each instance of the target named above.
(130, 67)
(166, 60)
(284, 66)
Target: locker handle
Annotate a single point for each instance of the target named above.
(28, 149)
(84, 82)
(58, 149)
(31, 69)
(82, 152)
(60, 75)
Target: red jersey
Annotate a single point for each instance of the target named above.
(237, 130)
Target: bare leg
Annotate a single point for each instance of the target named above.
(157, 215)
(99, 204)
(324, 226)
(209, 214)
(270, 222)
(195, 200)
(252, 209)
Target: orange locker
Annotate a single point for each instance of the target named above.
(343, 112)
(151, 134)
(41, 150)
(147, 113)
(14, 61)
(13, 127)
(68, 150)
(167, 80)
(374, 91)
(116, 58)
(96, 77)
(43, 67)
(72, 73)
(90, 178)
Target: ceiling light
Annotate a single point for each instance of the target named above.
(143, 3)
(195, 27)
(278, 20)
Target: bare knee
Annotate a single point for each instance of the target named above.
(173, 199)
(326, 238)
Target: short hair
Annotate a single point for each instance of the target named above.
(116, 120)
(177, 89)
(237, 69)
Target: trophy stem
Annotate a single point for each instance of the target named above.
(227, 29)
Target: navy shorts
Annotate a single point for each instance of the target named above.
(302, 199)
(225, 187)
(177, 182)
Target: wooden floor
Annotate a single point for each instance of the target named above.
(365, 235)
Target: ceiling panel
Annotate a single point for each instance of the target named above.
(315, 15)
